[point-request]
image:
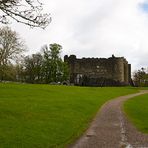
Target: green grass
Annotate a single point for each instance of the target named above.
(43, 116)
(137, 112)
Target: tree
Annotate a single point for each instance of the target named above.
(33, 68)
(56, 60)
(141, 77)
(11, 47)
(63, 72)
(55, 69)
(46, 64)
(10, 73)
(28, 12)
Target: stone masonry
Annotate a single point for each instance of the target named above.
(113, 71)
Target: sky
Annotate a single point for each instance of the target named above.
(94, 28)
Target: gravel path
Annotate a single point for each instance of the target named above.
(111, 129)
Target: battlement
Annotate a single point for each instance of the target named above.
(90, 71)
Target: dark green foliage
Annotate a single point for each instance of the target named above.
(8, 72)
(33, 71)
(141, 77)
(45, 67)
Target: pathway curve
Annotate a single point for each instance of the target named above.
(111, 129)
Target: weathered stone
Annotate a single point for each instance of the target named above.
(113, 71)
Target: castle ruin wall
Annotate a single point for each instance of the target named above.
(115, 68)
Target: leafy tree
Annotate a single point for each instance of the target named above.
(46, 64)
(20, 73)
(63, 72)
(55, 69)
(55, 61)
(141, 77)
(28, 12)
(33, 68)
(11, 47)
(44, 67)
(10, 73)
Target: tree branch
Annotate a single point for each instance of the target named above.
(16, 10)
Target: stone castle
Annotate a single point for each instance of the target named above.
(113, 71)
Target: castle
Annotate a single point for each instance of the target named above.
(113, 71)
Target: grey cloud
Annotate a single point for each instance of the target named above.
(96, 28)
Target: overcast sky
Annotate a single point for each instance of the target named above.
(94, 28)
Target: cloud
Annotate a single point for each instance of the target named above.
(95, 28)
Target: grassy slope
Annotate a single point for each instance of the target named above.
(44, 116)
(137, 111)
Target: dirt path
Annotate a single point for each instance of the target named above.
(111, 129)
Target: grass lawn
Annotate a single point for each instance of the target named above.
(43, 116)
(137, 111)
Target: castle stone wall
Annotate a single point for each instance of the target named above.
(98, 71)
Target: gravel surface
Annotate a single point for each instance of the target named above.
(111, 129)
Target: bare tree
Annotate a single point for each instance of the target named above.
(28, 12)
(10, 47)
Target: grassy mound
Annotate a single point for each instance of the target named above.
(41, 116)
(137, 111)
